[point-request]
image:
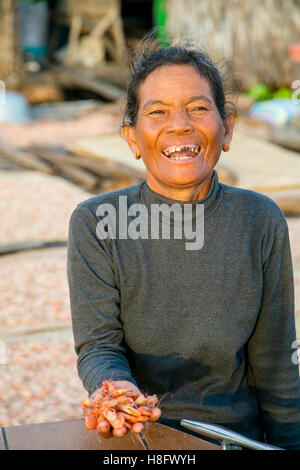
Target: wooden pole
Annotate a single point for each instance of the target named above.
(10, 50)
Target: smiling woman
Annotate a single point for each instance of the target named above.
(179, 131)
(209, 327)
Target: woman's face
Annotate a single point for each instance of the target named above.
(179, 131)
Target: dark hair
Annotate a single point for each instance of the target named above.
(153, 54)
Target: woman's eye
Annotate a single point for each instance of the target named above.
(199, 108)
(157, 111)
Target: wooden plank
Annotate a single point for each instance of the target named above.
(24, 158)
(64, 164)
(80, 176)
(161, 437)
(72, 76)
(66, 435)
(260, 165)
(29, 245)
(109, 147)
(100, 167)
(111, 72)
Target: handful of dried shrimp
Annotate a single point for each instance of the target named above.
(118, 410)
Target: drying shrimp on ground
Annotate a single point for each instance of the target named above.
(115, 410)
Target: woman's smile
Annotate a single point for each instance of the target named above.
(181, 152)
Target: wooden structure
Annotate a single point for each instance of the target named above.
(10, 50)
(72, 435)
(95, 30)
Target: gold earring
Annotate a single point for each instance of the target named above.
(137, 156)
(226, 148)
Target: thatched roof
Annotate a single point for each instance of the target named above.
(255, 34)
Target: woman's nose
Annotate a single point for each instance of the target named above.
(179, 122)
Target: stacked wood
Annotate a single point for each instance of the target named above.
(89, 173)
(255, 35)
(65, 165)
(10, 50)
(102, 168)
(23, 158)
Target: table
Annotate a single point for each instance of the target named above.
(72, 435)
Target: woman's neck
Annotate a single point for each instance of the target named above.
(187, 194)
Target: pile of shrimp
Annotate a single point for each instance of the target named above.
(119, 410)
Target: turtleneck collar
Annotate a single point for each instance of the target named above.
(211, 201)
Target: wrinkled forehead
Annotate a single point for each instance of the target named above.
(174, 84)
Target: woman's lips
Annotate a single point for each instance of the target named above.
(181, 152)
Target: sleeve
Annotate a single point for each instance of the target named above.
(94, 302)
(270, 353)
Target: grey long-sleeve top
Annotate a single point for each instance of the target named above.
(212, 326)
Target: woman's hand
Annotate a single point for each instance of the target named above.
(104, 428)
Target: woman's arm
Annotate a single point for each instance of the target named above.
(272, 371)
(94, 299)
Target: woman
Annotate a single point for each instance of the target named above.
(211, 324)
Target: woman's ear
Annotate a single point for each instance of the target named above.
(128, 132)
(228, 126)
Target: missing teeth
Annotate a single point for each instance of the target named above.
(181, 148)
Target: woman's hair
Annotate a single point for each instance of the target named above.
(151, 54)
